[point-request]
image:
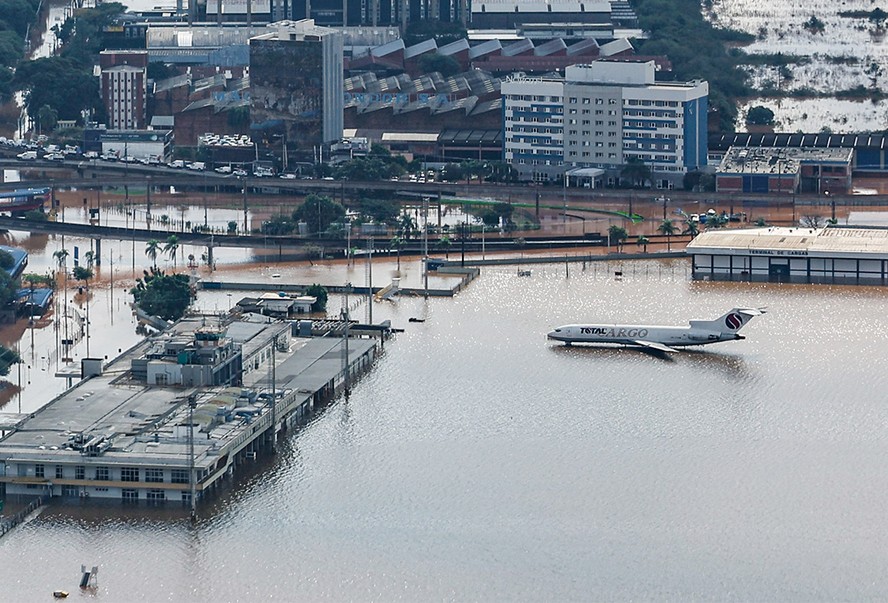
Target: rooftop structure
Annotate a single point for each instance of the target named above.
(785, 170)
(835, 254)
(125, 433)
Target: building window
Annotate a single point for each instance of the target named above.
(156, 495)
(130, 495)
(39, 470)
(179, 476)
(79, 472)
(102, 474)
(154, 475)
(129, 474)
(59, 472)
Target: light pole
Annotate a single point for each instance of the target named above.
(425, 242)
(192, 478)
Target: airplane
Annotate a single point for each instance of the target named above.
(661, 338)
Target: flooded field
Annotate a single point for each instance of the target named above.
(815, 114)
(847, 52)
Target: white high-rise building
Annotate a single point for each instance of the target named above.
(611, 113)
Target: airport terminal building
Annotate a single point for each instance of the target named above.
(845, 255)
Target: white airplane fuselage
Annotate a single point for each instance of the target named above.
(631, 334)
(659, 337)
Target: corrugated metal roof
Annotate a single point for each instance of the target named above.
(824, 242)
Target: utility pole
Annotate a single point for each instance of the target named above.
(273, 392)
(345, 367)
(246, 225)
(370, 280)
(192, 478)
(425, 242)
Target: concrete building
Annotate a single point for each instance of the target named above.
(144, 429)
(297, 86)
(124, 87)
(604, 115)
(835, 254)
(785, 170)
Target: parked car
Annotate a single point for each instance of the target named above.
(27, 155)
(178, 164)
(223, 169)
(197, 166)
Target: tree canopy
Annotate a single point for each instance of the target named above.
(760, 116)
(319, 292)
(319, 212)
(163, 295)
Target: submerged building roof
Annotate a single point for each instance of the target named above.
(831, 241)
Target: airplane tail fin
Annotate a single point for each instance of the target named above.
(731, 322)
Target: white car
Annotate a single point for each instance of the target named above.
(288, 176)
(224, 169)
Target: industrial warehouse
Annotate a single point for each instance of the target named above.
(173, 416)
(846, 255)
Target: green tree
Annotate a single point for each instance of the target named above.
(320, 293)
(445, 243)
(278, 225)
(667, 227)
(407, 227)
(8, 357)
(6, 260)
(446, 65)
(47, 118)
(82, 273)
(152, 250)
(617, 235)
(397, 242)
(760, 116)
(643, 241)
(636, 171)
(320, 211)
(232, 227)
(171, 248)
(159, 294)
(691, 228)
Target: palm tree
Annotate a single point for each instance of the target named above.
(90, 258)
(152, 250)
(171, 248)
(406, 226)
(397, 242)
(444, 243)
(643, 241)
(691, 228)
(618, 235)
(667, 227)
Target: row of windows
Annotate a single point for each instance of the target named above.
(539, 99)
(533, 130)
(649, 103)
(127, 474)
(573, 100)
(588, 154)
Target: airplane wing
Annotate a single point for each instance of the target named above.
(652, 345)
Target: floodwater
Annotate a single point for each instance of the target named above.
(477, 461)
(850, 52)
